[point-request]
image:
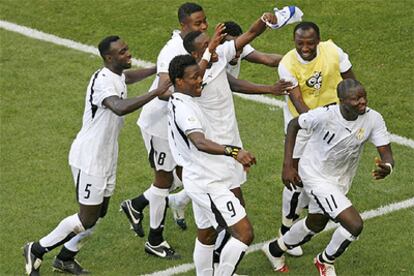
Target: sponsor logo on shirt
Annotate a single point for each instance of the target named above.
(360, 134)
(315, 82)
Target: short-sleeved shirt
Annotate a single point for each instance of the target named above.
(234, 70)
(335, 146)
(202, 172)
(95, 148)
(217, 104)
(216, 100)
(153, 117)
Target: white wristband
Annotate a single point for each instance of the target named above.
(206, 55)
(389, 166)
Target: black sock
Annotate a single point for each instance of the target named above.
(155, 236)
(275, 249)
(66, 255)
(284, 229)
(139, 203)
(38, 250)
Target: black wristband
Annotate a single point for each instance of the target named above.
(231, 151)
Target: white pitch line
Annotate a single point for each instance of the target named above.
(383, 210)
(33, 33)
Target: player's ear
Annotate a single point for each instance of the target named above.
(178, 82)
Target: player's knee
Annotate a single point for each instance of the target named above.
(356, 227)
(88, 222)
(244, 232)
(163, 179)
(207, 236)
(315, 225)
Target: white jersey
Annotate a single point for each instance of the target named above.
(95, 148)
(153, 117)
(333, 150)
(216, 100)
(202, 172)
(234, 70)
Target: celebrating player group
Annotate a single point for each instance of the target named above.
(189, 128)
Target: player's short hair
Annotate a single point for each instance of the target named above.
(188, 41)
(232, 28)
(306, 25)
(177, 66)
(105, 44)
(345, 86)
(187, 9)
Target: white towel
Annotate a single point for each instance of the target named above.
(287, 15)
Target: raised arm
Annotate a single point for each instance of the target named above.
(255, 30)
(271, 60)
(132, 76)
(384, 165)
(125, 106)
(210, 54)
(242, 86)
(205, 145)
(290, 176)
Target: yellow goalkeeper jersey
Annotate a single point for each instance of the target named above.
(317, 79)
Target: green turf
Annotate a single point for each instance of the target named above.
(42, 93)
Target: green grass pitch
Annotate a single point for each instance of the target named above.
(42, 92)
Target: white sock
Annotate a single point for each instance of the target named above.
(339, 242)
(65, 227)
(203, 258)
(297, 234)
(76, 243)
(291, 205)
(157, 206)
(230, 257)
(180, 199)
(220, 238)
(147, 193)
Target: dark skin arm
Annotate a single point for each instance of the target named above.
(348, 74)
(255, 30)
(382, 170)
(242, 86)
(296, 95)
(290, 176)
(132, 76)
(122, 107)
(205, 145)
(215, 41)
(271, 60)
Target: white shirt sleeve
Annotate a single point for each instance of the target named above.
(379, 135)
(311, 119)
(344, 63)
(103, 88)
(286, 75)
(247, 50)
(164, 59)
(187, 120)
(227, 50)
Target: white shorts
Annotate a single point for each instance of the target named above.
(159, 153)
(218, 208)
(91, 190)
(239, 175)
(325, 198)
(300, 144)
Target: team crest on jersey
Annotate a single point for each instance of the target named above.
(360, 134)
(315, 81)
